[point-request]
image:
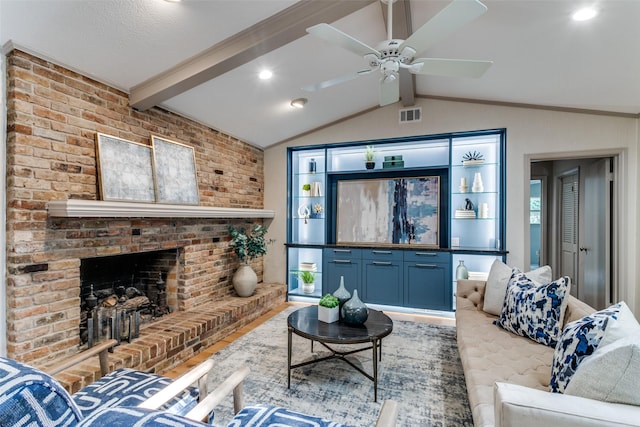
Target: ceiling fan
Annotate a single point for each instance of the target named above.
(393, 55)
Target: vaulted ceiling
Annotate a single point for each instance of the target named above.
(201, 59)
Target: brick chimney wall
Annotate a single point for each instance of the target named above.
(53, 117)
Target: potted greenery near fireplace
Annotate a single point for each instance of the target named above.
(247, 246)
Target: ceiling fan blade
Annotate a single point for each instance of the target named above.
(332, 35)
(454, 16)
(450, 67)
(389, 92)
(335, 81)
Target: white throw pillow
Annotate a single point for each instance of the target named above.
(581, 338)
(497, 282)
(610, 374)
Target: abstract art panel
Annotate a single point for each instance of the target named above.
(124, 170)
(389, 211)
(174, 167)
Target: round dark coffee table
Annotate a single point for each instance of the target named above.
(304, 322)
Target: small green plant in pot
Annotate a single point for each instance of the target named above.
(306, 189)
(308, 281)
(328, 309)
(370, 157)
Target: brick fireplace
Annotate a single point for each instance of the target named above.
(53, 115)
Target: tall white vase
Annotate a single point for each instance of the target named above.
(478, 187)
(245, 280)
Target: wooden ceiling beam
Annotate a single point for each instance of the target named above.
(253, 42)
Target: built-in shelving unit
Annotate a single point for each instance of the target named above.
(470, 167)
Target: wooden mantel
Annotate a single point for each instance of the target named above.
(109, 209)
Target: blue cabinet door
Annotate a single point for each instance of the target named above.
(428, 285)
(382, 277)
(341, 263)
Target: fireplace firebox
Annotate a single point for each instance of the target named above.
(118, 293)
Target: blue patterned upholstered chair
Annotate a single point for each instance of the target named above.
(125, 416)
(30, 397)
(124, 398)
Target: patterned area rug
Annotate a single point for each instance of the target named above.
(420, 369)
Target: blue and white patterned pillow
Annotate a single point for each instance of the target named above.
(30, 397)
(122, 416)
(534, 310)
(581, 338)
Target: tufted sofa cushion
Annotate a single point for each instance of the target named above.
(489, 353)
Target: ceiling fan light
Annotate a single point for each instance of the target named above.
(299, 102)
(389, 78)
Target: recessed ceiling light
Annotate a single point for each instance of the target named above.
(265, 74)
(299, 102)
(584, 14)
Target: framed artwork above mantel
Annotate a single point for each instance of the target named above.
(174, 168)
(124, 170)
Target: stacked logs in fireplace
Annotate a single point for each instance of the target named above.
(118, 312)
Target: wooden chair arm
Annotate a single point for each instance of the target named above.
(388, 414)
(100, 349)
(197, 374)
(232, 384)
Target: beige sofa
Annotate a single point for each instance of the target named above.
(508, 375)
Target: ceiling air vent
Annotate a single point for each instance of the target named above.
(409, 115)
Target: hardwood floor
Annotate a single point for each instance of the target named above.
(205, 354)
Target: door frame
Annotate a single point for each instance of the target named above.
(618, 241)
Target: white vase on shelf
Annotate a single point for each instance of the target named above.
(478, 187)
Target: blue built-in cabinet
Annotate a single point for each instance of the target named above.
(427, 280)
(470, 170)
(345, 263)
(382, 272)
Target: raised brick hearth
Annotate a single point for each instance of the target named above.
(179, 336)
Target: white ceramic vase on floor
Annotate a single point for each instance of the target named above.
(245, 280)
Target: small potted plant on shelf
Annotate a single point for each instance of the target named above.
(306, 190)
(328, 309)
(308, 281)
(370, 157)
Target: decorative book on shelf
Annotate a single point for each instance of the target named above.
(308, 266)
(393, 162)
(465, 214)
(472, 162)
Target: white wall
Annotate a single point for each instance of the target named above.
(531, 134)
